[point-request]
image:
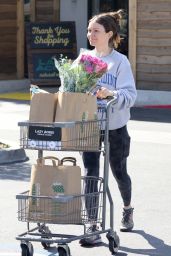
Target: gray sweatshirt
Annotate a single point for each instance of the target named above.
(118, 78)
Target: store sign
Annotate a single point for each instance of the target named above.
(44, 42)
(44, 133)
(50, 36)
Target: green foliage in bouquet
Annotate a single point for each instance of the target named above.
(66, 75)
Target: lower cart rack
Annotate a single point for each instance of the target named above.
(84, 209)
(63, 209)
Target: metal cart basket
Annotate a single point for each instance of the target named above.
(74, 209)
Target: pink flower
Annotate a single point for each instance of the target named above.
(92, 64)
(89, 69)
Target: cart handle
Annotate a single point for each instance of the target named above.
(112, 100)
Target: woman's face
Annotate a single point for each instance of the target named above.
(97, 36)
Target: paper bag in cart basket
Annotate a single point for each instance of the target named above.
(42, 107)
(78, 107)
(42, 110)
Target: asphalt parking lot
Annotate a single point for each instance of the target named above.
(149, 166)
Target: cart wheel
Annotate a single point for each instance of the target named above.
(114, 242)
(26, 249)
(47, 235)
(63, 250)
(45, 245)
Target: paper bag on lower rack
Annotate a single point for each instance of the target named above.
(55, 192)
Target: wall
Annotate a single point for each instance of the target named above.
(154, 45)
(8, 42)
(76, 10)
(45, 11)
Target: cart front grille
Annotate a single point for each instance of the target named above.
(71, 136)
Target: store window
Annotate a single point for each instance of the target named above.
(26, 10)
(98, 6)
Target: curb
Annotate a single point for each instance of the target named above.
(12, 155)
(157, 106)
(17, 254)
(22, 96)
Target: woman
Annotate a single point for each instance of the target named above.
(103, 35)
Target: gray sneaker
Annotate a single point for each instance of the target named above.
(127, 223)
(93, 239)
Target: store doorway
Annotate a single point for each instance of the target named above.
(98, 6)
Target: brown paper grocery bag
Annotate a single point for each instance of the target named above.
(75, 107)
(60, 188)
(78, 107)
(42, 107)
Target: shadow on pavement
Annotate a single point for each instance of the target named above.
(151, 114)
(54, 249)
(18, 171)
(159, 247)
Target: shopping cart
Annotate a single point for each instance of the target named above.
(68, 136)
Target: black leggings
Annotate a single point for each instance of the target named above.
(119, 140)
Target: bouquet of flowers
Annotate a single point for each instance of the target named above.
(82, 74)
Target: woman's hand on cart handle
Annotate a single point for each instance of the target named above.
(104, 93)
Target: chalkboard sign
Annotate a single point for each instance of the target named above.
(43, 65)
(52, 36)
(44, 42)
